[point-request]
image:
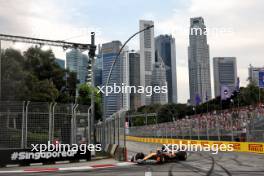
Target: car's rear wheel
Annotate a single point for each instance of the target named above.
(162, 159)
(182, 155)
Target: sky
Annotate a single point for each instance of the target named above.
(236, 26)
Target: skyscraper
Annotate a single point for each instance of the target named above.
(77, 62)
(159, 79)
(114, 101)
(147, 57)
(253, 74)
(165, 46)
(97, 70)
(60, 62)
(125, 77)
(225, 73)
(199, 64)
(83, 68)
(134, 78)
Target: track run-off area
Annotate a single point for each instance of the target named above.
(197, 163)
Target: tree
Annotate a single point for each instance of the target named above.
(13, 75)
(43, 91)
(36, 76)
(85, 92)
(172, 112)
(250, 95)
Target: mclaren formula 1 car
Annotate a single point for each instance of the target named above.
(160, 156)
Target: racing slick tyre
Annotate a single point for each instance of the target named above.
(139, 156)
(182, 155)
(162, 159)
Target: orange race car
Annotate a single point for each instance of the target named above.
(160, 156)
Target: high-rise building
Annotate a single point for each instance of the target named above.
(83, 68)
(199, 64)
(97, 70)
(165, 46)
(225, 73)
(77, 62)
(114, 101)
(125, 77)
(159, 79)
(60, 62)
(253, 74)
(147, 57)
(134, 79)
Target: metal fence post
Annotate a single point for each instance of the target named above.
(114, 120)
(53, 121)
(50, 122)
(107, 134)
(102, 134)
(108, 131)
(89, 125)
(166, 132)
(171, 131)
(26, 125)
(247, 131)
(157, 133)
(190, 129)
(23, 127)
(232, 132)
(198, 129)
(111, 132)
(207, 130)
(146, 118)
(218, 130)
(118, 135)
(73, 120)
(181, 132)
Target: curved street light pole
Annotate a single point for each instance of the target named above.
(119, 52)
(111, 69)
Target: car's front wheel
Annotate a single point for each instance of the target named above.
(139, 156)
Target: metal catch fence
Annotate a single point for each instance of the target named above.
(112, 130)
(26, 123)
(244, 124)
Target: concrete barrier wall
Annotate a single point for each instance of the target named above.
(117, 152)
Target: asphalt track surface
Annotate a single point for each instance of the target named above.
(197, 163)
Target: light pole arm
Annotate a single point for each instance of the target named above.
(119, 52)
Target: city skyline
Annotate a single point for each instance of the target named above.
(169, 18)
